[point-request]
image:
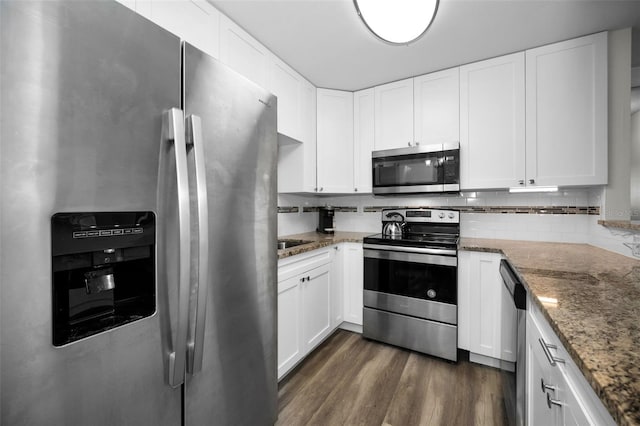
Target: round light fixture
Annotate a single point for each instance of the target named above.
(397, 21)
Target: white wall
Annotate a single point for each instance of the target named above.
(616, 195)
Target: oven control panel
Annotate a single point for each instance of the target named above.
(423, 215)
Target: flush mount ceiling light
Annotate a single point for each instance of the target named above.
(397, 21)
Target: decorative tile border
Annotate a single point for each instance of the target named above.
(567, 210)
(288, 209)
(335, 208)
(591, 210)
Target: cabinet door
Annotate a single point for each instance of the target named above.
(436, 104)
(567, 112)
(195, 21)
(297, 160)
(337, 285)
(335, 141)
(489, 307)
(363, 143)
(492, 123)
(286, 84)
(353, 282)
(290, 349)
(243, 53)
(394, 115)
(316, 315)
(485, 310)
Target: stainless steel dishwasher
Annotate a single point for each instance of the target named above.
(515, 386)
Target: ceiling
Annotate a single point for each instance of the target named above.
(325, 41)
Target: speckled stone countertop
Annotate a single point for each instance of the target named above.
(318, 240)
(597, 316)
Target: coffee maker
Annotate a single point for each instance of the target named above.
(325, 220)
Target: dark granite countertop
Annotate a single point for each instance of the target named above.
(319, 240)
(597, 316)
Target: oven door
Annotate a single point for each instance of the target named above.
(417, 282)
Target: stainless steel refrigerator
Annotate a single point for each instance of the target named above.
(137, 260)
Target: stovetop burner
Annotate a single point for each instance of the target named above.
(423, 228)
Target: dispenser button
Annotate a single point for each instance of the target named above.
(107, 256)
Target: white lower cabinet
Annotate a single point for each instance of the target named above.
(557, 392)
(486, 314)
(318, 291)
(304, 283)
(337, 283)
(353, 261)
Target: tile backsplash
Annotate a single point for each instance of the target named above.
(568, 215)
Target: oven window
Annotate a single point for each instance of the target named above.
(407, 170)
(422, 281)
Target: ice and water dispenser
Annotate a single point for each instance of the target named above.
(103, 272)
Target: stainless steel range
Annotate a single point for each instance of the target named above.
(411, 281)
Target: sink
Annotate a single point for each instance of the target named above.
(285, 244)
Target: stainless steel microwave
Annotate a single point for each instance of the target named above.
(418, 169)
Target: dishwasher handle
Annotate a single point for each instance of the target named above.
(513, 285)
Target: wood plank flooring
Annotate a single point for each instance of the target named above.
(349, 380)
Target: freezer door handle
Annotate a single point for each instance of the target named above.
(173, 134)
(195, 153)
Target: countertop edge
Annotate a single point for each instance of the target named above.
(318, 241)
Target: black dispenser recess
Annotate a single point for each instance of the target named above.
(103, 271)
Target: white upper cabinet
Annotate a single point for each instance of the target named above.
(436, 100)
(567, 112)
(195, 21)
(287, 85)
(243, 53)
(335, 141)
(492, 123)
(394, 115)
(363, 139)
(309, 120)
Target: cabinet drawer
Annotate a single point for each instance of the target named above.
(295, 265)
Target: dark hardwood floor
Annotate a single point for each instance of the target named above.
(349, 380)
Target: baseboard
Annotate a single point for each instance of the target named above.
(492, 362)
(349, 326)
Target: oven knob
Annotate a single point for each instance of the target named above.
(431, 293)
(441, 215)
(451, 215)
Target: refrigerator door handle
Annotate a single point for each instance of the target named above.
(173, 131)
(195, 150)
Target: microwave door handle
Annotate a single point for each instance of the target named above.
(195, 150)
(173, 139)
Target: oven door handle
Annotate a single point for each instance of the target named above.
(418, 250)
(405, 256)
